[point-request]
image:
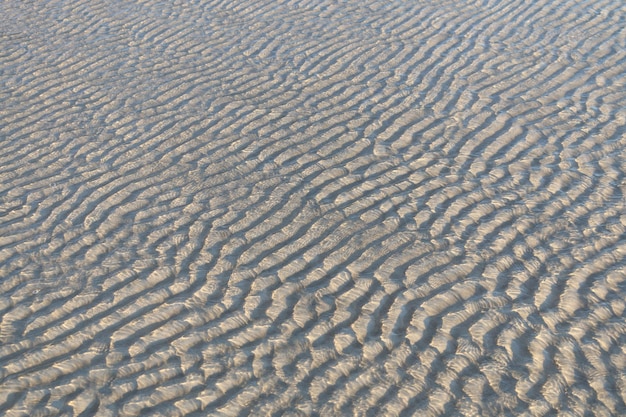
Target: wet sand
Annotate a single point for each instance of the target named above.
(324, 208)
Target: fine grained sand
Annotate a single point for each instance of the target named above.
(371, 208)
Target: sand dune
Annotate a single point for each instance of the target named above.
(376, 208)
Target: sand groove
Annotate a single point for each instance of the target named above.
(312, 208)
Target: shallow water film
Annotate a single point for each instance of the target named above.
(312, 208)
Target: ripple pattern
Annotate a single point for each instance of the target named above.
(312, 208)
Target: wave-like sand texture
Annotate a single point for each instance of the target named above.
(372, 208)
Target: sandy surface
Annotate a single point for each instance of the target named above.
(327, 208)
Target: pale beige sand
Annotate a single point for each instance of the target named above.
(327, 208)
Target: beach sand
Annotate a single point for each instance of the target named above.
(324, 208)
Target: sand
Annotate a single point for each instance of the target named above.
(324, 208)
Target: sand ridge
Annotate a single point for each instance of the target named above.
(312, 208)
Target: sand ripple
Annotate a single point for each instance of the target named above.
(312, 208)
